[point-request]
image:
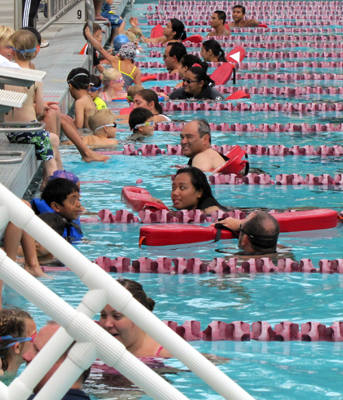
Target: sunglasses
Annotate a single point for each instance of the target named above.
(188, 81)
(94, 88)
(102, 126)
(17, 339)
(148, 123)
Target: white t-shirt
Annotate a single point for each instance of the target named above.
(5, 63)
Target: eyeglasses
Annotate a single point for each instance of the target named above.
(114, 125)
(94, 88)
(188, 81)
(17, 339)
(148, 123)
(119, 80)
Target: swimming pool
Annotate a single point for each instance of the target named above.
(267, 370)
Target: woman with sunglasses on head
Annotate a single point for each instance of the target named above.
(17, 329)
(197, 85)
(113, 85)
(211, 51)
(148, 99)
(191, 191)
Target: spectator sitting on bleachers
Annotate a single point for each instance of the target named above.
(25, 49)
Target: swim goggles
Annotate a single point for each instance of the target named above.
(23, 52)
(129, 98)
(119, 80)
(80, 74)
(94, 88)
(260, 240)
(102, 126)
(17, 339)
(148, 123)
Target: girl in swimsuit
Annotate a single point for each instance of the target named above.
(17, 328)
(123, 329)
(113, 85)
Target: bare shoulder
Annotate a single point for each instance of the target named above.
(212, 33)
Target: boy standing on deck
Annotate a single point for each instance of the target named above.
(25, 49)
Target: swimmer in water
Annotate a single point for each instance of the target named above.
(191, 191)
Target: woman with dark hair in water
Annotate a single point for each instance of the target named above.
(123, 329)
(148, 99)
(197, 85)
(191, 191)
(211, 51)
(174, 31)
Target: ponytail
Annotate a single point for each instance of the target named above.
(221, 57)
(216, 49)
(179, 29)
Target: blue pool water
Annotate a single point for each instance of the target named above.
(267, 370)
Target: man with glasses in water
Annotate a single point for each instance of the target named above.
(172, 56)
(257, 234)
(238, 14)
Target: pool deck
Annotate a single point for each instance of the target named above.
(58, 59)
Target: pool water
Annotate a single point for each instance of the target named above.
(267, 370)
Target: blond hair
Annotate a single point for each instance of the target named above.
(136, 31)
(133, 90)
(100, 117)
(110, 74)
(24, 40)
(5, 35)
(131, 36)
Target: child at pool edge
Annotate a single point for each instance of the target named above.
(104, 128)
(6, 52)
(95, 87)
(20, 325)
(141, 122)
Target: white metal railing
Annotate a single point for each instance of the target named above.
(93, 341)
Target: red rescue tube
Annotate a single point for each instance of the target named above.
(222, 74)
(166, 235)
(290, 221)
(148, 78)
(138, 198)
(240, 94)
(235, 164)
(262, 26)
(156, 32)
(193, 39)
(236, 55)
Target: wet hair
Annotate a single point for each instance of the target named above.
(24, 40)
(35, 32)
(179, 28)
(12, 322)
(149, 95)
(136, 31)
(240, 7)
(94, 80)
(78, 78)
(6, 33)
(216, 49)
(100, 117)
(55, 221)
(133, 90)
(200, 182)
(221, 15)
(110, 74)
(96, 28)
(263, 232)
(57, 190)
(201, 75)
(139, 115)
(189, 60)
(131, 36)
(178, 50)
(137, 291)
